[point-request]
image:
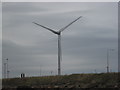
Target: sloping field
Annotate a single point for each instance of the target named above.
(101, 80)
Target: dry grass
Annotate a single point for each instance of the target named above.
(102, 80)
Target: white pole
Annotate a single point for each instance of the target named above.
(107, 60)
(108, 66)
(5, 70)
(59, 54)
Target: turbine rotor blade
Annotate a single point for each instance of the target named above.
(46, 28)
(69, 24)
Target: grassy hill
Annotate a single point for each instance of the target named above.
(101, 80)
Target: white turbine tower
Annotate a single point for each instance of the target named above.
(59, 40)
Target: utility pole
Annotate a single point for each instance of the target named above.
(107, 60)
(108, 67)
(5, 70)
(51, 72)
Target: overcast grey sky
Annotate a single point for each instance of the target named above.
(30, 48)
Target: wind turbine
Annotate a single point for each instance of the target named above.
(59, 40)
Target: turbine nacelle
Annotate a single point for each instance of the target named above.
(57, 32)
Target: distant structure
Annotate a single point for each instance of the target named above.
(51, 72)
(22, 75)
(108, 67)
(6, 70)
(59, 41)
